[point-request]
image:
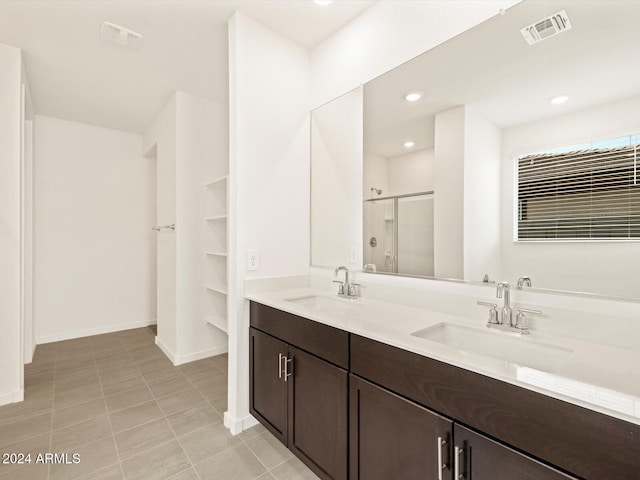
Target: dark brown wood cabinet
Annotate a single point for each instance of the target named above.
(480, 458)
(297, 395)
(392, 437)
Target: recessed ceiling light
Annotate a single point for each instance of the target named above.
(413, 96)
(323, 2)
(560, 99)
(409, 144)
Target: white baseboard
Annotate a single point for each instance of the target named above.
(167, 351)
(192, 357)
(236, 426)
(12, 397)
(95, 331)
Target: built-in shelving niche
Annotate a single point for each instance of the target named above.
(215, 253)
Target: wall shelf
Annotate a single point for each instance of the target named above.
(216, 254)
(217, 321)
(217, 182)
(217, 288)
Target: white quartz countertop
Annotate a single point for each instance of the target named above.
(598, 377)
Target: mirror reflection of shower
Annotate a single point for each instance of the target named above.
(403, 228)
(375, 190)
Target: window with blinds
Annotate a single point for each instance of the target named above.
(583, 192)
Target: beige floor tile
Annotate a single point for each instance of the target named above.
(207, 442)
(186, 475)
(190, 420)
(82, 394)
(172, 385)
(122, 385)
(39, 367)
(156, 464)
(128, 398)
(237, 463)
(266, 476)
(177, 402)
(145, 437)
(39, 377)
(146, 366)
(146, 353)
(112, 472)
(213, 387)
(105, 361)
(163, 375)
(221, 361)
(22, 429)
(84, 355)
(32, 446)
(76, 381)
(134, 416)
(118, 374)
(93, 456)
(73, 370)
(199, 370)
(30, 472)
(65, 439)
(22, 410)
(293, 469)
(66, 417)
(268, 450)
(252, 432)
(44, 389)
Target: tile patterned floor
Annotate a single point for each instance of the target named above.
(118, 402)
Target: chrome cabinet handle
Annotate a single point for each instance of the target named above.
(280, 357)
(441, 465)
(458, 452)
(287, 373)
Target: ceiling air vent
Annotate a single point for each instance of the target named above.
(121, 36)
(546, 28)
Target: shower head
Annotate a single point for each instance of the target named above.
(377, 190)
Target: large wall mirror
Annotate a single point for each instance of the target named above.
(495, 156)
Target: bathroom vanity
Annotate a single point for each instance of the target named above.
(355, 391)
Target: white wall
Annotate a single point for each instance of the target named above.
(569, 265)
(411, 173)
(336, 181)
(94, 249)
(387, 34)
(10, 228)
(269, 177)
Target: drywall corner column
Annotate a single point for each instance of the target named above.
(201, 138)
(269, 179)
(162, 135)
(482, 154)
(448, 204)
(11, 362)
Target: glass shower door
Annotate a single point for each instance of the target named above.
(379, 234)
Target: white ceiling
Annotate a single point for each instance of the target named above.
(75, 76)
(491, 68)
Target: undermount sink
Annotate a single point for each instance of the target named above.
(326, 303)
(498, 345)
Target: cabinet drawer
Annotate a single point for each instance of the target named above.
(589, 444)
(326, 342)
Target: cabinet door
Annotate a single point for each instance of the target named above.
(483, 459)
(267, 388)
(318, 412)
(393, 438)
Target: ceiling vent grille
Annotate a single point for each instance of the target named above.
(121, 36)
(546, 28)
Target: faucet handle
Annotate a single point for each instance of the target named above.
(353, 289)
(493, 313)
(340, 287)
(521, 319)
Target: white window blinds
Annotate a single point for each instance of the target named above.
(585, 192)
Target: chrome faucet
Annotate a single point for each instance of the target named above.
(503, 319)
(346, 289)
(524, 282)
(505, 312)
